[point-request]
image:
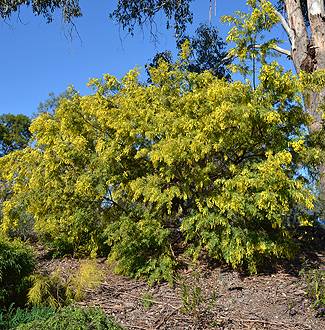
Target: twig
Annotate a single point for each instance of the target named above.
(278, 49)
(151, 300)
(166, 318)
(256, 321)
(135, 326)
(118, 287)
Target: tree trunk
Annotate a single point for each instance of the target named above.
(308, 54)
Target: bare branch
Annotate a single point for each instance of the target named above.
(278, 49)
(286, 27)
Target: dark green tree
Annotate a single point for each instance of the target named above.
(46, 8)
(53, 100)
(208, 53)
(14, 133)
(128, 13)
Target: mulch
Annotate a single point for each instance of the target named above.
(202, 298)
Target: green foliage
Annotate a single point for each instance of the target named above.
(195, 300)
(55, 290)
(14, 133)
(139, 249)
(315, 281)
(136, 12)
(208, 52)
(189, 161)
(12, 318)
(68, 318)
(69, 8)
(17, 262)
(248, 35)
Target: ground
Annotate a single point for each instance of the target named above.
(203, 298)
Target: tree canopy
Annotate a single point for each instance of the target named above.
(69, 8)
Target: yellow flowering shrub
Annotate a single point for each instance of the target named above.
(141, 172)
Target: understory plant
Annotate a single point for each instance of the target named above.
(17, 262)
(196, 300)
(56, 290)
(68, 318)
(189, 162)
(315, 283)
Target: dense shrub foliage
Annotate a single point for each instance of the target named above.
(13, 317)
(17, 262)
(190, 162)
(68, 318)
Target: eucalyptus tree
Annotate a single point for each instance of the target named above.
(14, 133)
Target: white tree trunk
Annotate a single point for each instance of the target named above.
(308, 54)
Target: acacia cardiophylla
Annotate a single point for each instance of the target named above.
(142, 172)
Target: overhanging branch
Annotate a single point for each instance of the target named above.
(285, 26)
(278, 49)
(287, 29)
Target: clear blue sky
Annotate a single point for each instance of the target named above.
(38, 58)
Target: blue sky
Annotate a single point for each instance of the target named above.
(38, 58)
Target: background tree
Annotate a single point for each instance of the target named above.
(208, 53)
(53, 100)
(14, 133)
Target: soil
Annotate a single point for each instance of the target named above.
(203, 298)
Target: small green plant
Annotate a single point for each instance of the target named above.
(55, 290)
(194, 300)
(17, 262)
(147, 300)
(315, 281)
